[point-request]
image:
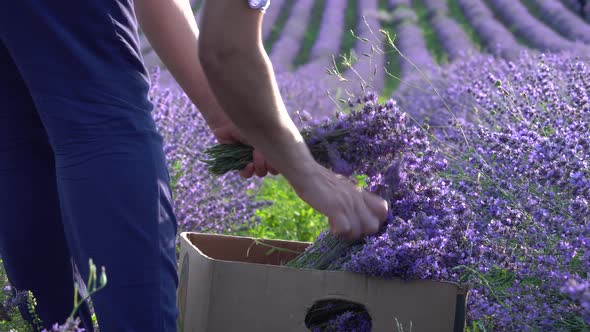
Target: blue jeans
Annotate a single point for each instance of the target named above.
(82, 169)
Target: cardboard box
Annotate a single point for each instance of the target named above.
(230, 283)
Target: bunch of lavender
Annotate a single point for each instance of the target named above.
(520, 155)
(348, 321)
(351, 143)
(202, 202)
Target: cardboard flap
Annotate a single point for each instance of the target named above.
(246, 249)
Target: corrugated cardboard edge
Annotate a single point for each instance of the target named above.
(199, 268)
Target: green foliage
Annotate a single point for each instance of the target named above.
(289, 217)
(14, 321)
(311, 33)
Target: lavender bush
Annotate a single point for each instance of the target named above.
(201, 202)
(517, 180)
(495, 192)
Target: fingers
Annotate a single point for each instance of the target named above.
(368, 220)
(362, 214)
(340, 226)
(259, 164)
(271, 169)
(377, 205)
(248, 171)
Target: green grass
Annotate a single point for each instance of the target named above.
(432, 43)
(456, 13)
(392, 66)
(279, 25)
(16, 322)
(351, 21)
(288, 218)
(311, 33)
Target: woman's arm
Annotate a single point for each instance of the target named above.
(171, 28)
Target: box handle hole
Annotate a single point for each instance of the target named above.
(334, 315)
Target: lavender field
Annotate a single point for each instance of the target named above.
(470, 117)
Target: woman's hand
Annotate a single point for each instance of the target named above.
(227, 133)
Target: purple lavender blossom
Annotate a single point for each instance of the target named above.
(523, 138)
(348, 321)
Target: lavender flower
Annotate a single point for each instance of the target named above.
(348, 321)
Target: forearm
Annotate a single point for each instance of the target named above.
(172, 31)
(242, 78)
